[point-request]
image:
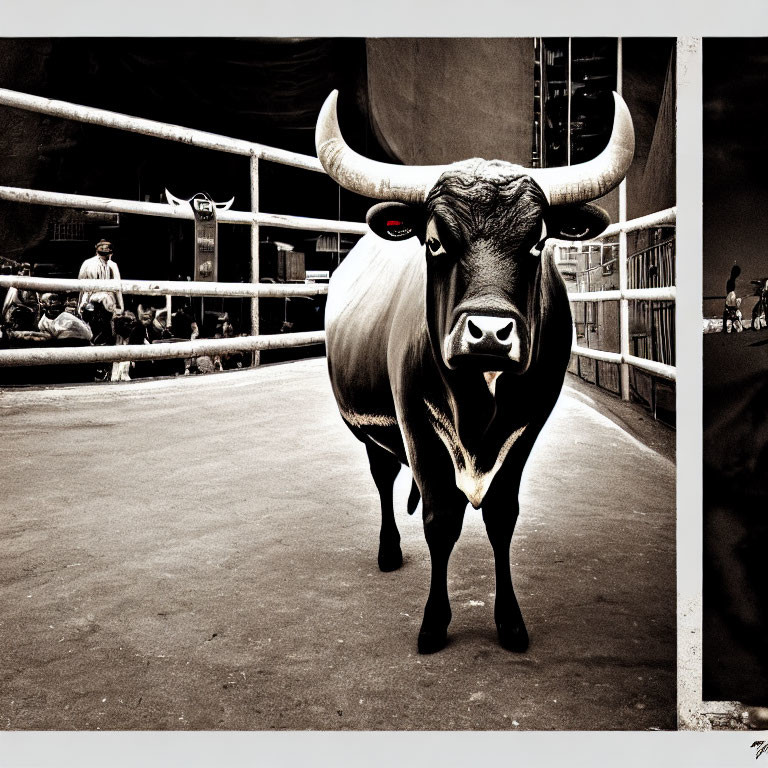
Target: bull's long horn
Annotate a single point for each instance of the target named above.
(382, 181)
(588, 181)
(411, 184)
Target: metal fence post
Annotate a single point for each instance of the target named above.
(623, 283)
(254, 169)
(623, 303)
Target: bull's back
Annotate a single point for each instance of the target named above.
(375, 304)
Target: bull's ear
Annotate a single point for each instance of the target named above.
(576, 222)
(397, 221)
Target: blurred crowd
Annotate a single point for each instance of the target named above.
(29, 318)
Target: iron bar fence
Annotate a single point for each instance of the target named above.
(629, 278)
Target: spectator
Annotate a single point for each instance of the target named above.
(148, 328)
(225, 330)
(16, 297)
(731, 309)
(184, 326)
(62, 326)
(761, 306)
(732, 312)
(99, 307)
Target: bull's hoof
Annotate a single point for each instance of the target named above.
(513, 637)
(432, 641)
(390, 559)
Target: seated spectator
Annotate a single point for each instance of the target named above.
(124, 327)
(16, 297)
(19, 318)
(224, 330)
(62, 326)
(160, 329)
(99, 318)
(184, 326)
(229, 360)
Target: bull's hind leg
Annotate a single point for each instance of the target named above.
(500, 519)
(442, 526)
(384, 470)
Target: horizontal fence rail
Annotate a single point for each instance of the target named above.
(660, 369)
(165, 288)
(623, 294)
(668, 293)
(158, 351)
(109, 205)
(158, 130)
(667, 217)
(254, 219)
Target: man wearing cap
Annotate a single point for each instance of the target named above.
(101, 267)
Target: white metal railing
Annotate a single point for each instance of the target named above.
(156, 351)
(624, 295)
(666, 293)
(165, 287)
(160, 350)
(201, 139)
(253, 218)
(110, 205)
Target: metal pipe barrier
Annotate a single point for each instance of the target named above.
(164, 288)
(624, 295)
(660, 369)
(203, 140)
(90, 203)
(167, 131)
(667, 293)
(254, 218)
(159, 351)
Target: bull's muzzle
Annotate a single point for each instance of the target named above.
(485, 342)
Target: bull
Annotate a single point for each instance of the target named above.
(448, 336)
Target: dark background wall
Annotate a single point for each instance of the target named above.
(735, 189)
(440, 100)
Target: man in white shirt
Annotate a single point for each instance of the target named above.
(101, 267)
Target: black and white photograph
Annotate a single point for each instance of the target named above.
(735, 290)
(338, 383)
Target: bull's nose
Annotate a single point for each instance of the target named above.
(491, 335)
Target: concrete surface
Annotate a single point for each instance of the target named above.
(200, 553)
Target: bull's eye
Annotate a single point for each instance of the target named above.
(435, 246)
(539, 247)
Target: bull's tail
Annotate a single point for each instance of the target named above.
(413, 498)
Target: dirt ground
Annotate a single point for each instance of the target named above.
(200, 554)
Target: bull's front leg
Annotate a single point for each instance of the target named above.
(500, 518)
(443, 519)
(384, 470)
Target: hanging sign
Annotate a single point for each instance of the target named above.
(206, 230)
